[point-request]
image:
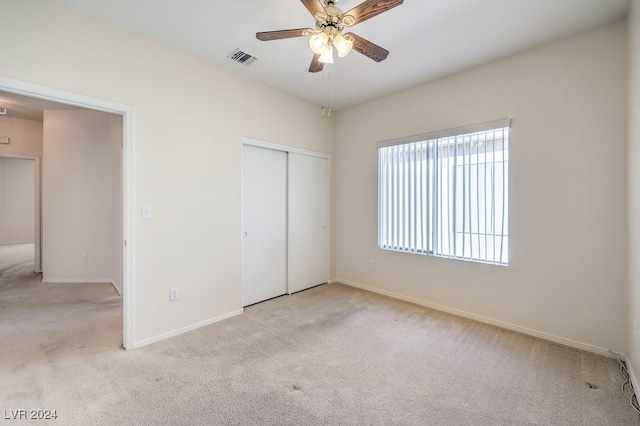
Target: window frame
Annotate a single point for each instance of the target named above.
(428, 245)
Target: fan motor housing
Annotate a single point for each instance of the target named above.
(331, 22)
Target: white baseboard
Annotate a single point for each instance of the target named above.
(113, 283)
(178, 331)
(9, 243)
(81, 281)
(77, 281)
(535, 333)
(632, 374)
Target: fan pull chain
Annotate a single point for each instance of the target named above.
(326, 91)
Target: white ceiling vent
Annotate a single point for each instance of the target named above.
(242, 57)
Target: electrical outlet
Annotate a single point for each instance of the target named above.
(174, 294)
(84, 257)
(370, 264)
(147, 212)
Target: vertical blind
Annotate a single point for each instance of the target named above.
(446, 193)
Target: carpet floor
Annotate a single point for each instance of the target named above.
(331, 355)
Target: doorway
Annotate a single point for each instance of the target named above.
(20, 203)
(125, 237)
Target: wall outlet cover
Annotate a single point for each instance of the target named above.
(174, 294)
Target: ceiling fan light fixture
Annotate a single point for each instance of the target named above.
(327, 56)
(348, 20)
(327, 35)
(320, 16)
(343, 45)
(318, 42)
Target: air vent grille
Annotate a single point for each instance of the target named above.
(242, 57)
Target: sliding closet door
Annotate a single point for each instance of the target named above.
(264, 224)
(308, 259)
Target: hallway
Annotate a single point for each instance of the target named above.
(83, 318)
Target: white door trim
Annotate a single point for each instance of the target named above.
(281, 147)
(37, 233)
(128, 171)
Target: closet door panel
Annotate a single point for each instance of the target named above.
(264, 224)
(308, 224)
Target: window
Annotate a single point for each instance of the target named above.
(447, 193)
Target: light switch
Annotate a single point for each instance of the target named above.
(147, 212)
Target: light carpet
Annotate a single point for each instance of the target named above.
(331, 355)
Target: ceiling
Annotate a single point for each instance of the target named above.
(27, 108)
(427, 39)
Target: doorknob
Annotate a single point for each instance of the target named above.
(244, 234)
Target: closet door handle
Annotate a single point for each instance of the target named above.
(244, 234)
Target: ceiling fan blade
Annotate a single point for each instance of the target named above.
(368, 49)
(313, 6)
(278, 35)
(370, 8)
(316, 65)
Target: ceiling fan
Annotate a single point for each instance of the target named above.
(330, 22)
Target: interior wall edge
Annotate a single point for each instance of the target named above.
(633, 196)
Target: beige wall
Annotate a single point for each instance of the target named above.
(25, 135)
(634, 183)
(17, 206)
(17, 196)
(189, 118)
(77, 196)
(567, 275)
